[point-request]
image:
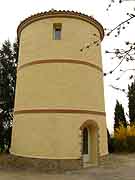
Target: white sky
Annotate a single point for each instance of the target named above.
(13, 12)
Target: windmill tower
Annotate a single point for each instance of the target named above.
(59, 105)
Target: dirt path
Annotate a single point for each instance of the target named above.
(114, 167)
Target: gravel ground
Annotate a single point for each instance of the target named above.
(112, 167)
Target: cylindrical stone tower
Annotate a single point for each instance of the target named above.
(59, 105)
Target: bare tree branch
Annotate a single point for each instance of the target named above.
(116, 1)
(123, 73)
(118, 89)
(122, 55)
(95, 41)
(122, 25)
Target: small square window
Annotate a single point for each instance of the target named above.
(57, 31)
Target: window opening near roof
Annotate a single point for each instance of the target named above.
(57, 31)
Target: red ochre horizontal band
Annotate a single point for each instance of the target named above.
(36, 62)
(72, 111)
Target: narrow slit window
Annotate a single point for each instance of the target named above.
(85, 141)
(57, 31)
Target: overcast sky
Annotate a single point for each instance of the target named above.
(13, 12)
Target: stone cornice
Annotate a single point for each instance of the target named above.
(55, 13)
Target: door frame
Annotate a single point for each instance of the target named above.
(93, 153)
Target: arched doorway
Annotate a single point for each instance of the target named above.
(90, 146)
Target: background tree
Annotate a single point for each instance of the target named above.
(131, 102)
(122, 54)
(119, 116)
(8, 64)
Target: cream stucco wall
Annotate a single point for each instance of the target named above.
(37, 41)
(60, 85)
(53, 136)
(57, 85)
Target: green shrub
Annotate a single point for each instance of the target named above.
(123, 139)
(119, 145)
(131, 143)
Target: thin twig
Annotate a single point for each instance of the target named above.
(127, 52)
(122, 23)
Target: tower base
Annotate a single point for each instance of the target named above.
(44, 165)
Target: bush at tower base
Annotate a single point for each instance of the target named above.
(123, 140)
